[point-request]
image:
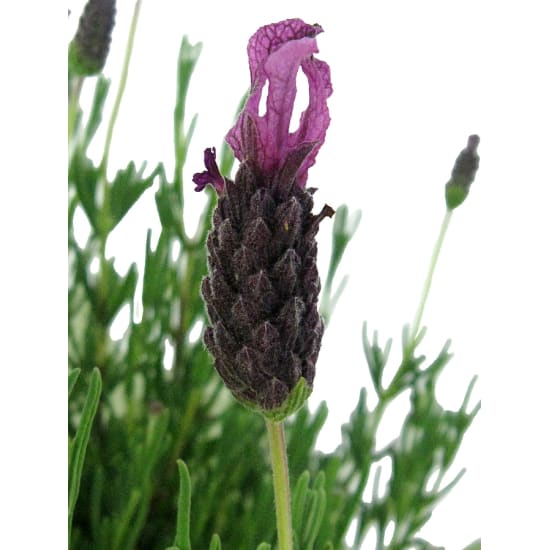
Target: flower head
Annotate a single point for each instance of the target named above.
(90, 46)
(262, 286)
(463, 174)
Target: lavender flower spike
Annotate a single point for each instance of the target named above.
(262, 287)
(276, 53)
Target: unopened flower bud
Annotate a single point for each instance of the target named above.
(90, 46)
(463, 174)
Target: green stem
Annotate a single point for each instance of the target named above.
(428, 282)
(105, 212)
(277, 448)
(121, 87)
(74, 96)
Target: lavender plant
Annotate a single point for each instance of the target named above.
(169, 458)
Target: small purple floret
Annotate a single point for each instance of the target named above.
(212, 173)
(276, 52)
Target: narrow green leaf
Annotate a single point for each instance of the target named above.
(476, 545)
(73, 377)
(299, 498)
(156, 270)
(77, 450)
(152, 450)
(303, 431)
(84, 175)
(318, 515)
(339, 241)
(311, 520)
(342, 233)
(123, 523)
(319, 483)
(169, 208)
(95, 501)
(120, 289)
(182, 155)
(183, 540)
(215, 543)
(264, 546)
(337, 294)
(73, 203)
(156, 432)
(468, 394)
(96, 113)
(187, 60)
(373, 355)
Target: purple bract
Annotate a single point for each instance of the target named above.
(212, 173)
(276, 52)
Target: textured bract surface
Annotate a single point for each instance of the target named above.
(262, 289)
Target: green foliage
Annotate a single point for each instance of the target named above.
(426, 447)
(476, 545)
(138, 421)
(187, 59)
(216, 543)
(308, 510)
(77, 445)
(343, 229)
(182, 540)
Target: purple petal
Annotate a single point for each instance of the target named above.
(276, 52)
(270, 38)
(315, 119)
(211, 175)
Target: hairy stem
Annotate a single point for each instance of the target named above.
(277, 448)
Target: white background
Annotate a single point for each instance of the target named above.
(411, 82)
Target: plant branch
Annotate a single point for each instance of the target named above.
(121, 87)
(428, 282)
(105, 212)
(74, 96)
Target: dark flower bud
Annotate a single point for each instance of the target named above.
(243, 263)
(257, 236)
(261, 204)
(286, 272)
(266, 336)
(260, 291)
(463, 174)
(89, 48)
(261, 295)
(227, 238)
(288, 222)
